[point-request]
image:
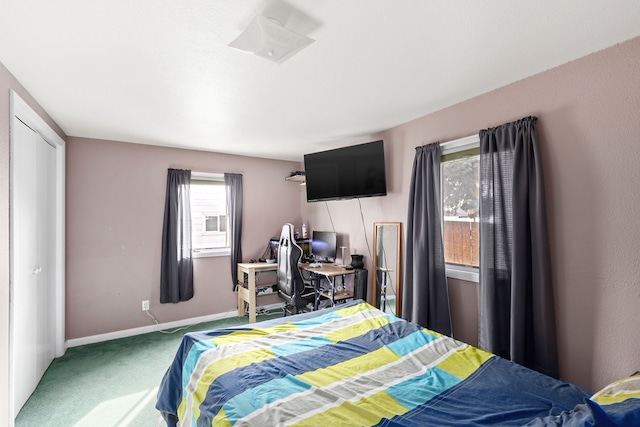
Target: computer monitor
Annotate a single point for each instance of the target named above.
(324, 245)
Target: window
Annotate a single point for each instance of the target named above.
(460, 175)
(209, 225)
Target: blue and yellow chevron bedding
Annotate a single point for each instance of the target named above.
(352, 365)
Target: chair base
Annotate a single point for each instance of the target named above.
(292, 309)
(300, 305)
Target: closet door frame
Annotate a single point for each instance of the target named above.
(21, 111)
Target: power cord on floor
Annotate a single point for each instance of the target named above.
(153, 318)
(259, 310)
(173, 331)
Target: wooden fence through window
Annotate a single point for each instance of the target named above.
(462, 242)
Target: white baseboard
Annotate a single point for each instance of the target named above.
(75, 342)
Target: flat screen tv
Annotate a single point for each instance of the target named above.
(346, 173)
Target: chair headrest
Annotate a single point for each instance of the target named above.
(287, 232)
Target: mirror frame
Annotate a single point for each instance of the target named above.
(398, 262)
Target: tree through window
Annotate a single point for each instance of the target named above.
(460, 174)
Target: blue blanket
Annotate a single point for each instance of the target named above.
(353, 365)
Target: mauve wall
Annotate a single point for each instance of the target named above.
(589, 129)
(115, 206)
(8, 83)
(589, 126)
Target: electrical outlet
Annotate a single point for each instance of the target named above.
(145, 305)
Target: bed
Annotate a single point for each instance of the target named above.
(355, 365)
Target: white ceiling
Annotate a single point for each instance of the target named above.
(160, 72)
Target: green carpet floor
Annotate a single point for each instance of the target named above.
(113, 383)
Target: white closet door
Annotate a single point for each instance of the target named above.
(36, 251)
(33, 307)
(45, 323)
(25, 262)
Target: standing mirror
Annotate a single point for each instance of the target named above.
(387, 265)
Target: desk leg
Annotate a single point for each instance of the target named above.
(239, 288)
(315, 282)
(332, 281)
(251, 297)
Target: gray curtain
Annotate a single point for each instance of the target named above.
(233, 185)
(517, 319)
(425, 295)
(176, 276)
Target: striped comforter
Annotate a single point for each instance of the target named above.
(353, 365)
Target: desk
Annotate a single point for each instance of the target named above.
(248, 294)
(329, 271)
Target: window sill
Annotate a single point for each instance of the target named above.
(469, 274)
(208, 253)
